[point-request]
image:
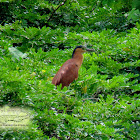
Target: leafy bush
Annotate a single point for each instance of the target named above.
(76, 15)
(102, 104)
(36, 38)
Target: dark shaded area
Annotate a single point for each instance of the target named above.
(30, 15)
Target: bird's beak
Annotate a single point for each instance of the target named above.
(89, 50)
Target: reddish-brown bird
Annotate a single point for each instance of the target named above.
(69, 70)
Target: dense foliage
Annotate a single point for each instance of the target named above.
(37, 37)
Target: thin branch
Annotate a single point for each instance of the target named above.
(56, 10)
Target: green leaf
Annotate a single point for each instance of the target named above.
(16, 54)
(134, 14)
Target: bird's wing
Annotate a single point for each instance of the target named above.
(66, 74)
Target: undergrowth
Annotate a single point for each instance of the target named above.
(102, 104)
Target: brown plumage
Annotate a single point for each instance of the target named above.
(69, 70)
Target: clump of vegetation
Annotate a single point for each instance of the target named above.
(37, 38)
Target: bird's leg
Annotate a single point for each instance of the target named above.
(68, 87)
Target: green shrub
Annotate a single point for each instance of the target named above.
(104, 102)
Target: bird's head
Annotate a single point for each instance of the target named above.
(80, 49)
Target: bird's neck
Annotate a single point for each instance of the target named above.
(78, 57)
